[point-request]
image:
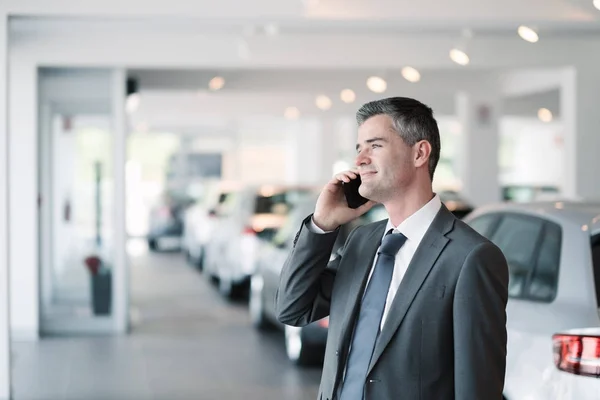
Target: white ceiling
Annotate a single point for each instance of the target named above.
(427, 13)
(321, 47)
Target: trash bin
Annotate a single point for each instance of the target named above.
(102, 292)
(101, 283)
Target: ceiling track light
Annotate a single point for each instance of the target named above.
(411, 74)
(323, 102)
(348, 96)
(528, 34)
(216, 83)
(291, 113)
(458, 53)
(376, 84)
(459, 56)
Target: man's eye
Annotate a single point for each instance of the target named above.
(376, 145)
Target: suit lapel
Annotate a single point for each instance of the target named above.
(362, 267)
(421, 264)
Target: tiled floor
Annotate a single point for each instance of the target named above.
(188, 344)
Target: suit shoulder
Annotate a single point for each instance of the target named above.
(468, 237)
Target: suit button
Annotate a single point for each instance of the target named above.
(337, 353)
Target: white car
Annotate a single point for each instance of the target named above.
(577, 359)
(553, 254)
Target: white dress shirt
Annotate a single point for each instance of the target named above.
(414, 228)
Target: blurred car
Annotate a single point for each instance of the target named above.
(455, 203)
(577, 359)
(305, 345)
(247, 217)
(166, 221)
(201, 219)
(553, 254)
(529, 193)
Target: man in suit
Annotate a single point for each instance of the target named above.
(416, 304)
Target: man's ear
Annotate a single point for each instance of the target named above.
(422, 153)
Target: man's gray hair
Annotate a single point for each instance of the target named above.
(412, 120)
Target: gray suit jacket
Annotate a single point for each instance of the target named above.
(445, 334)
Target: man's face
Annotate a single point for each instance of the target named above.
(384, 160)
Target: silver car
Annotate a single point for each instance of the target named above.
(553, 257)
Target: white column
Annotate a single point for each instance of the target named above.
(346, 135)
(477, 157)
(580, 97)
(329, 147)
(312, 151)
(121, 266)
(4, 288)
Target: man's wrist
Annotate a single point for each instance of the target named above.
(324, 228)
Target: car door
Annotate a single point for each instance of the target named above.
(532, 247)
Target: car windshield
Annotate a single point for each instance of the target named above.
(280, 203)
(596, 265)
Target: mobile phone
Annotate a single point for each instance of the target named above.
(353, 198)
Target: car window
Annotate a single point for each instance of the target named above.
(596, 265)
(287, 199)
(544, 279)
(228, 203)
(517, 237)
(292, 224)
(484, 224)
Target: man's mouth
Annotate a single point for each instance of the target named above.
(367, 173)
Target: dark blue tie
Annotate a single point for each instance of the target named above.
(369, 318)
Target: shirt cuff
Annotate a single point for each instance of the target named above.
(314, 228)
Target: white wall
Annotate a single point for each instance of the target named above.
(537, 149)
(23, 195)
(4, 244)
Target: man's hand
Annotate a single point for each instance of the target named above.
(332, 209)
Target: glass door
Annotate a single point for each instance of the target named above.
(80, 261)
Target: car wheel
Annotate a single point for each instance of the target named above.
(228, 289)
(200, 261)
(256, 306)
(153, 244)
(188, 257)
(299, 352)
(225, 286)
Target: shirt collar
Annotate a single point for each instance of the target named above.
(415, 226)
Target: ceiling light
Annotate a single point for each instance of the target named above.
(597, 4)
(291, 113)
(411, 74)
(545, 115)
(348, 96)
(323, 102)
(528, 34)
(132, 103)
(376, 84)
(216, 83)
(459, 57)
(272, 29)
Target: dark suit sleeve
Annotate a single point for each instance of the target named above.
(307, 277)
(480, 325)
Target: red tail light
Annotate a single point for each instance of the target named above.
(579, 355)
(324, 323)
(248, 231)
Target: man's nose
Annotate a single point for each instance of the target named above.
(362, 159)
